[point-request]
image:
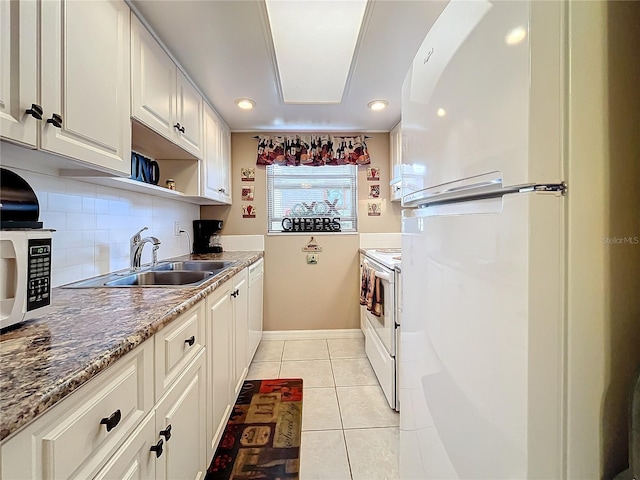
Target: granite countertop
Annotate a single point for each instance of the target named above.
(86, 330)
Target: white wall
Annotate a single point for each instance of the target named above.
(94, 224)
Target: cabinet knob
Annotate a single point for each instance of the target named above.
(179, 127)
(55, 120)
(157, 448)
(190, 341)
(112, 421)
(234, 294)
(166, 433)
(35, 111)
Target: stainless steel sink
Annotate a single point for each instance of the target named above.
(156, 278)
(195, 265)
(165, 274)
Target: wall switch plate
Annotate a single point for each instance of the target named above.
(312, 258)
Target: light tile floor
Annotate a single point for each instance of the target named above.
(349, 432)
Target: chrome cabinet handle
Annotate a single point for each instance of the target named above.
(112, 421)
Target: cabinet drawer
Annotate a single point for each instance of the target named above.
(75, 438)
(134, 459)
(176, 345)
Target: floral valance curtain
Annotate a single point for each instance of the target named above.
(312, 150)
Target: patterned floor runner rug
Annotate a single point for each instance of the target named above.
(262, 436)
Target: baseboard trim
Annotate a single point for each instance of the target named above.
(311, 334)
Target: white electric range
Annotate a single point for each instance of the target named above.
(382, 331)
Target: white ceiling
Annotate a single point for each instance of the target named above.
(225, 47)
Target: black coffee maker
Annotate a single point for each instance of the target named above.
(206, 236)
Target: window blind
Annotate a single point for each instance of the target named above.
(328, 191)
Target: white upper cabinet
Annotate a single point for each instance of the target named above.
(395, 162)
(216, 165)
(76, 101)
(225, 163)
(153, 84)
(162, 98)
(19, 72)
(189, 128)
(85, 71)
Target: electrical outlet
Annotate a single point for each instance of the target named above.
(312, 258)
(176, 228)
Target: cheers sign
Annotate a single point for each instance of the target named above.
(311, 224)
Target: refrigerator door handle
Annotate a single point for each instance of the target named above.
(441, 195)
(560, 188)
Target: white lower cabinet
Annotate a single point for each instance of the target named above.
(180, 449)
(134, 459)
(76, 437)
(256, 302)
(227, 340)
(170, 442)
(219, 361)
(176, 345)
(158, 412)
(240, 302)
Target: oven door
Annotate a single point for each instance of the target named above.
(384, 325)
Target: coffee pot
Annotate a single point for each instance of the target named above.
(215, 242)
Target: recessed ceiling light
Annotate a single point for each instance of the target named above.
(245, 103)
(378, 104)
(515, 36)
(441, 112)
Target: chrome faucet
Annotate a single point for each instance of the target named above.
(136, 245)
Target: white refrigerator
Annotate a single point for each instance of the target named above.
(482, 353)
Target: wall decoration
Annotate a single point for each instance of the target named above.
(374, 191)
(373, 174)
(374, 209)
(311, 224)
(248, 210)
(312, 246)
(144, 169)
(248, 174)
(351, 150)
(247, 193)
(312, 150)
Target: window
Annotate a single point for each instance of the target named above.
(328, 192)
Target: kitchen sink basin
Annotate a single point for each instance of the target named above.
(155, 278)
(165, 274)
(195, 265)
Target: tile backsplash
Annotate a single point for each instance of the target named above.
(94, 223)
